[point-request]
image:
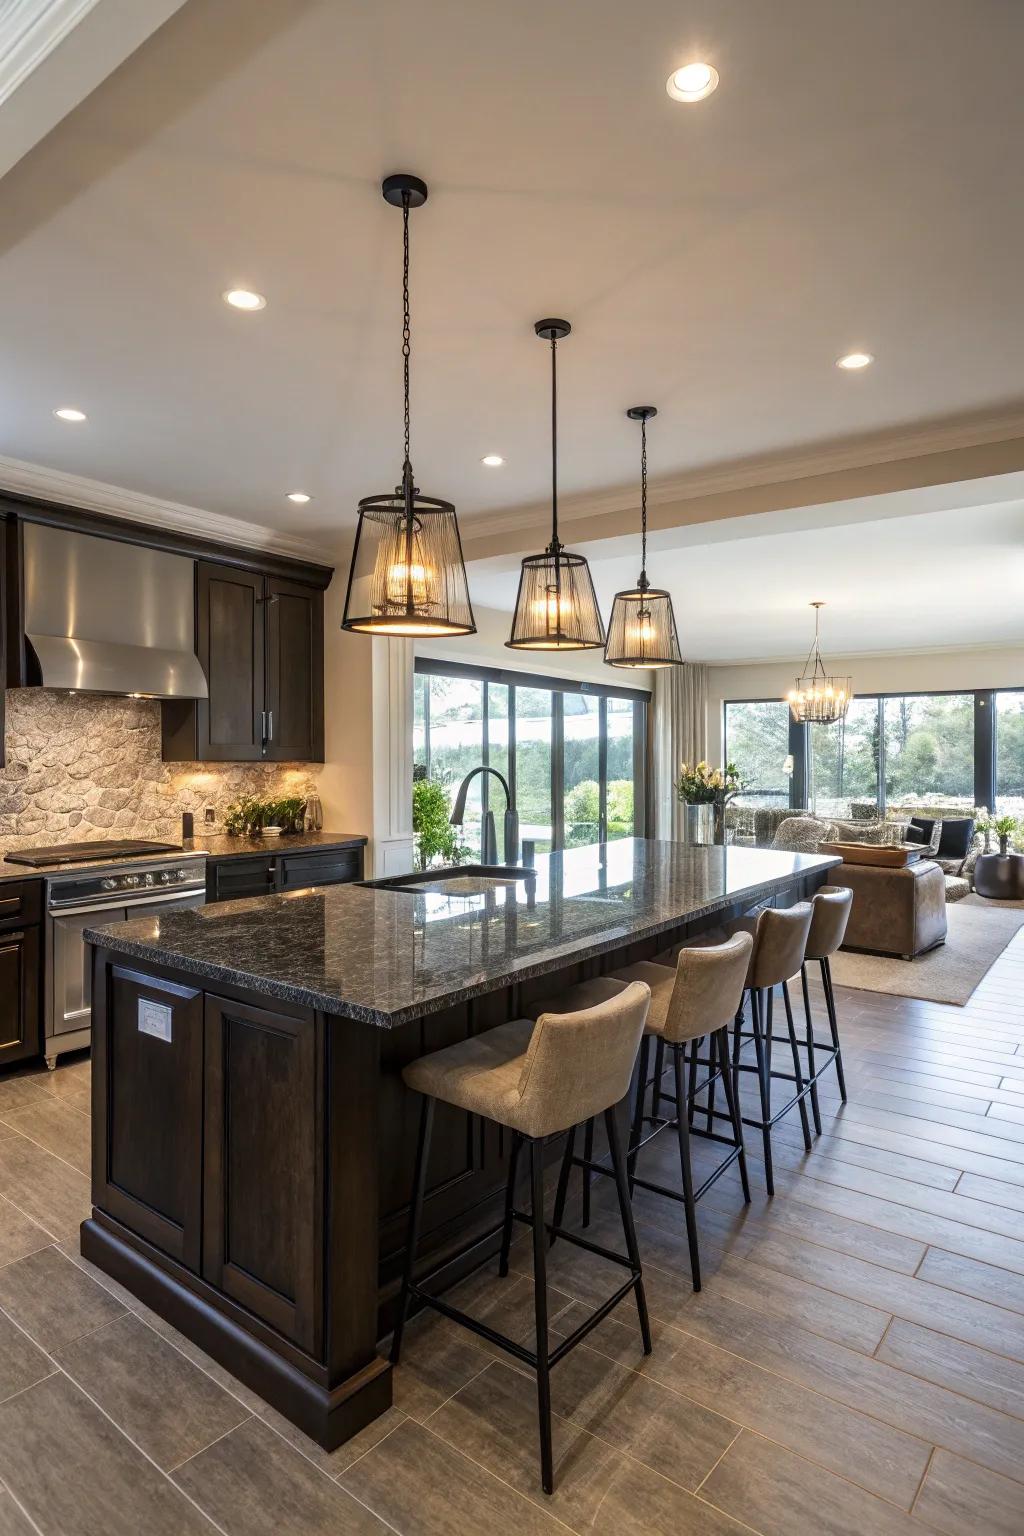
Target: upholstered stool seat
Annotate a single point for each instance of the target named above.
(696, 998)
(538, 1080)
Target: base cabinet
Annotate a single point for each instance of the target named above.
(234, 878)
(20, 1012)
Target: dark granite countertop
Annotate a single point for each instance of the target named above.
(225, 847)
(219, 847)
(386, 956)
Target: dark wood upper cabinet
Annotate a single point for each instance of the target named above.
(260, 642)
(294, 671)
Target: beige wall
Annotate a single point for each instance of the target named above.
(346, 780)
(487, 648)
(898, 672)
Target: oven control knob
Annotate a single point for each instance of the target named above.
(131, 880)
(149, 880)
(181, 874)
(108, 885)
(166, 877)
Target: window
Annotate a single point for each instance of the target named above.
(574, 753)
(843, 764)
(1009, 718)
(757, 741)
(929, 753)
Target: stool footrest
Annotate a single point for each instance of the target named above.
(581, 1242)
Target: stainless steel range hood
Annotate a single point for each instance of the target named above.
(107, 617)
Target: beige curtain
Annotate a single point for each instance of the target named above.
(680, 736)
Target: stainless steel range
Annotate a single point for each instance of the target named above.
(126, 879)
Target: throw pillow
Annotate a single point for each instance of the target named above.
(802, 834)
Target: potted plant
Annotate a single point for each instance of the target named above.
(431, 825)
(1004, 827)
(705, 792)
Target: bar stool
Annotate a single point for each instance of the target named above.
(780, 940)
(538, 1080)
(831, 909)
(698, 997)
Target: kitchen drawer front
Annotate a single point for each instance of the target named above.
(331, 867)
(21, 903)
(231, 879)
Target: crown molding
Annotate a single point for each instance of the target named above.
(840, 658)
(29, 31)
(18, 477)
(770, 469)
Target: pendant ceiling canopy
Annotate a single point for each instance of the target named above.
(819, 698)
(556, 607)
(407, 576)
(642, 627)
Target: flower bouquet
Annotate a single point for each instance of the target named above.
(705, 792)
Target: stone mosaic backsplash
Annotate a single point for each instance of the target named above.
(83, 766)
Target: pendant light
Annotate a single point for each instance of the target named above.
(556, 607)
(642, 627)
(407, 575)
(819, 698)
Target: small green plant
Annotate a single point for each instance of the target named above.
(1005, 826)
(434, 833)
(249, 814)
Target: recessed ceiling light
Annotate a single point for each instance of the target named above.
(492, 460)
(244, 298)
(299, 496)
(692, 83)
(69, 413)
(854, 360)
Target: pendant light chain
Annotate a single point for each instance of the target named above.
(643, 503)
(406, 319)
(555, 545)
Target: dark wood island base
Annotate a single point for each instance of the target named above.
(253, 1148)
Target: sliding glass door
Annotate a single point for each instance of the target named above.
(575, 754)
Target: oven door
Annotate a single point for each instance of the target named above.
(70, 977)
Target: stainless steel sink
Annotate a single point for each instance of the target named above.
(457, 880)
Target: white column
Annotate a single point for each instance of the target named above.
(392, 667)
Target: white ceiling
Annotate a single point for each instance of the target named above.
(854, 182)
(945, 578)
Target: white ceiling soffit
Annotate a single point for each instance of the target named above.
(54, 52)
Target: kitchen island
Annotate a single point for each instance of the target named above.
(253, 1140)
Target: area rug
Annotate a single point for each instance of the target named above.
(979, 931)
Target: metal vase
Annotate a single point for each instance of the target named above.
(698, 825)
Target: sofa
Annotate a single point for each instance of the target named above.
(953, 845)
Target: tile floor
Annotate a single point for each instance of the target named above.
(854, 1364)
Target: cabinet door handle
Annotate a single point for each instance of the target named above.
(10, 904)
(263, 726)
(270, 725)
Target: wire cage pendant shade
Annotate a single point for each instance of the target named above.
(407, 576)
(819, 697)
(556, 605)
(642, 627)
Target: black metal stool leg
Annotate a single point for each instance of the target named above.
(659, 1072)
(797, 1069)
(689, 1207)
(415, 1215)
(810, 1048)
(628, 1227)
(691, 1090)
(563, 1180)
(510, 1201)
(637, 1128)
(833, 1022)
(720, 1048)
(588, 1153)
(762, 1083)
(540, 1306)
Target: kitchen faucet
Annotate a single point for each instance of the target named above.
(488, 836)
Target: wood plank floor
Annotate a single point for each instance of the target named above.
(854, 1364)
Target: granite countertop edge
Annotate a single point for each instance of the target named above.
(325, 1002)
(214, 849)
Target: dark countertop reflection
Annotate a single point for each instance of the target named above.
(385, 956)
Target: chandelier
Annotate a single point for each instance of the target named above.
(819, 698)
(407, 575)
(642, 627)
(556, 606)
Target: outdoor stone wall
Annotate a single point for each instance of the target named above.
(81, 766)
